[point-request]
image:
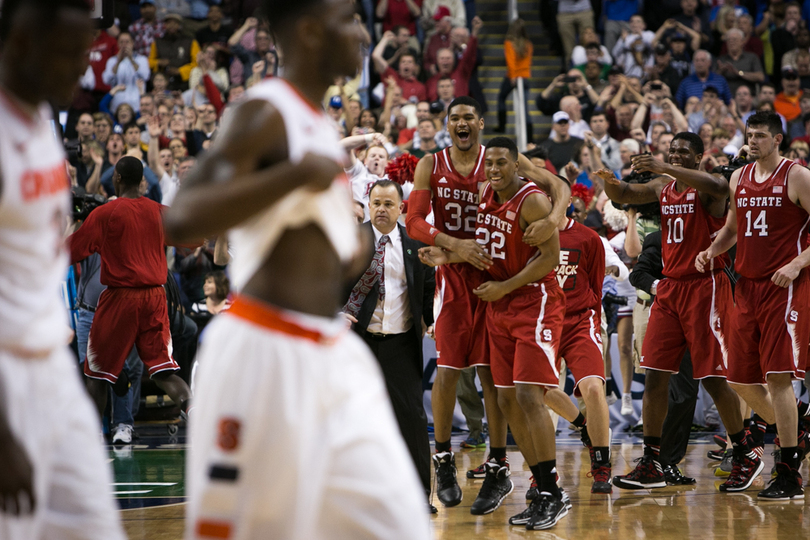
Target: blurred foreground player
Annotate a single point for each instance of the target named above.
(54, 480)
(768, 220)
(525, 308)
(293, 435)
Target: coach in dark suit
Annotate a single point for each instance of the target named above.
(387, 307)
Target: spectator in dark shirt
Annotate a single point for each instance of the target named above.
(400, 45)
(174, 54)
(214, 33)
(560, 144)
(263, 45)
(662, 69)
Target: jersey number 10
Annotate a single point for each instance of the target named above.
(674, 230)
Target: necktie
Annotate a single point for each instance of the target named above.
(374, 273)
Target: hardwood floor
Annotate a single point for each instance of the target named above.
(676, 513)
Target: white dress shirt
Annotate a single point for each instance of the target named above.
(393, 314)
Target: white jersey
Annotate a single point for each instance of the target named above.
(34, 204)
(308, 130)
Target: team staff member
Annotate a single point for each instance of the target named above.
(768, 220)
(128, 234)
(387, 307)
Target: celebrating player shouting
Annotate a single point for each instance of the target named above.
(768, 221)
(690, 308)
(453, 179)
(525, 308)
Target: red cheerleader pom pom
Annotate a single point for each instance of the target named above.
(401, 169)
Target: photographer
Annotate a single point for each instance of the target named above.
(572, 83)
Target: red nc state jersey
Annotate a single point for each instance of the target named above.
(455, 197)
(581, 270)
(686, 230)
(500, 234)
(771, 229)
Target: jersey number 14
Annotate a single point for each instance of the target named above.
(759, 224)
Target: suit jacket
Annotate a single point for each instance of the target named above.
(421, 283)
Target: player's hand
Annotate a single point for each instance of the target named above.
(647, 163)
(318, 172)
(608, 177)
(472, 252)
(349, 317)
(433, 256)
(612, 270)
(431, 332)
(491, 291)
(785, 275)
(703, 260)
(17, 481)
(538, 232)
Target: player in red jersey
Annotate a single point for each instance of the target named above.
(768, 221)
(525, 308)
(580, 273)
(452, 179)
(690, 309)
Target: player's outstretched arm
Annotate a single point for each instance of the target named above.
(559, 191)
(799, 193)
(17, 480)
(433, 256)
(622, 192)
(536, 207)
(727, 236)
(702, 181)
(246, 170)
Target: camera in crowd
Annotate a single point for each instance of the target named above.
(73, 149)
(649, 209)
(728, 170)
(84, 203)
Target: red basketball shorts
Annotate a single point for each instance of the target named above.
(125, 317)
(461, 339)
(770, 331)
(691, 313)
(524, 336)
(581, 345)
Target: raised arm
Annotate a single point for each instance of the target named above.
(244, 171)
(621, 192)
(715, 187)
(153, 153)
(250, 22)
(380, 65)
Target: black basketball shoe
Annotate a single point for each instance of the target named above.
(497, 485)
(549, 511)
(647, 474)
(447, 488)
(786, 486)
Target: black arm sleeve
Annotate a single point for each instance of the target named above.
(649, 266)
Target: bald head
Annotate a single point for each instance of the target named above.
(573, 107)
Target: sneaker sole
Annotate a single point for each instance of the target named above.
(561, 515)
(489, 511)
(630, 484)
(797, 497)
(750, 480)
(471, 475)
(720, 472)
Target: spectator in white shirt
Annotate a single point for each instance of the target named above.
(126, 69)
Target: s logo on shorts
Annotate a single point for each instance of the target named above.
(547, 335)
(228, 438)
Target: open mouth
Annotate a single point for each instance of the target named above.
(463, 134)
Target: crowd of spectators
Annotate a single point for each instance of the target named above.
(634, 73)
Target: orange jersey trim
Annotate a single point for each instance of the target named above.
(265, 315)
